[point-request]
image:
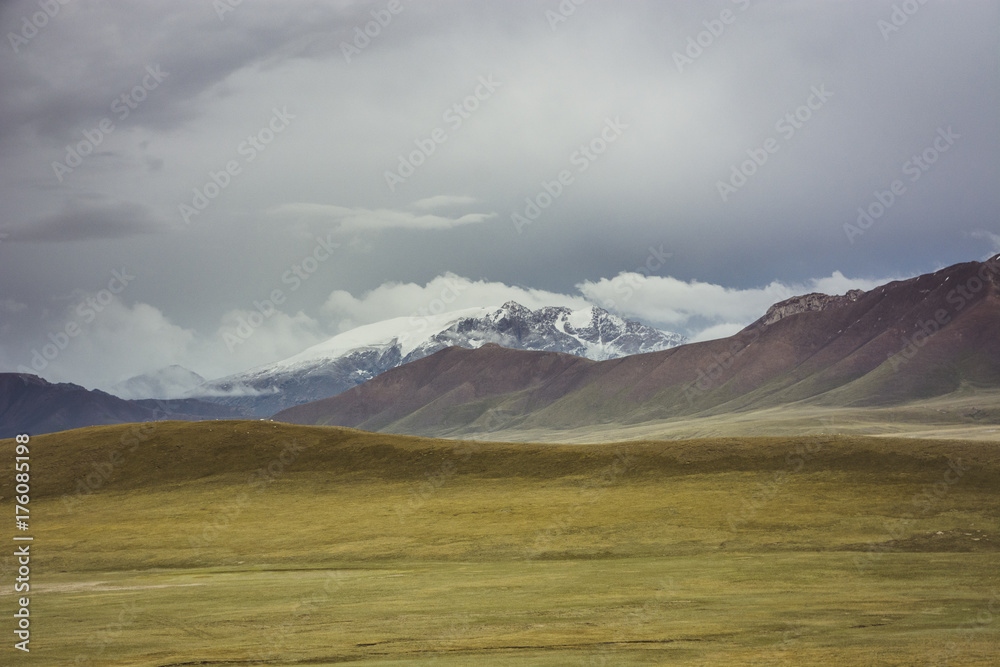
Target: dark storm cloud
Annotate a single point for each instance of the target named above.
(91, 54)
(751, 133)
(89, 219)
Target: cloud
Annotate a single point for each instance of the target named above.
(12, 306)
(992, 241)
(200, 49)
(442, 201)
(236, 390)
(110, 342)
(687, 131)
(668, 301)
(106, 343)
(717, 331)
(90, 218)
(444, 293)
(700, 310)
(248, 338)
(837, 283)
(704, 309)
(362, 219)
(120, 341)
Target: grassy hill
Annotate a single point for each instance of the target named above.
(252, 542)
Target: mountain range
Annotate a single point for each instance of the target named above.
(906, 340)
(29, 404)
(484, 370)
(361, 354)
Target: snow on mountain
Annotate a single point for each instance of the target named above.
(406, 333)
(360, 354)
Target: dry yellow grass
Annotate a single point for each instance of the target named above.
(224, 543)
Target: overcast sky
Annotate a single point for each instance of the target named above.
(166, 165)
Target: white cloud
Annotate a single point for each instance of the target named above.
(122, 341)
(704, 310)
(111, 344)
(114, 342)
(668, 301)
(442, 201)
(236, 390)
(838, 283)
(246, 339)
(992, 240)
(444, 293)
(717, 331)
(363, 219)
(700, 310)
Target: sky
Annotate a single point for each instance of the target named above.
(175, 174)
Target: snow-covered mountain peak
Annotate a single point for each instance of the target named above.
(352, 357)
(406, 332)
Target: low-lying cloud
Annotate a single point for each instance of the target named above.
(120, 341)
(667, 302)
(355, 220)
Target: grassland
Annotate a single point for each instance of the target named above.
(238, 543)
(967, 414)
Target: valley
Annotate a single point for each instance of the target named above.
(249, 542)
(514, 334)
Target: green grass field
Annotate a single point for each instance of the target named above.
(239, 543)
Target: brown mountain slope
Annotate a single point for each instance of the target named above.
(450, 378)
(910, 339)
